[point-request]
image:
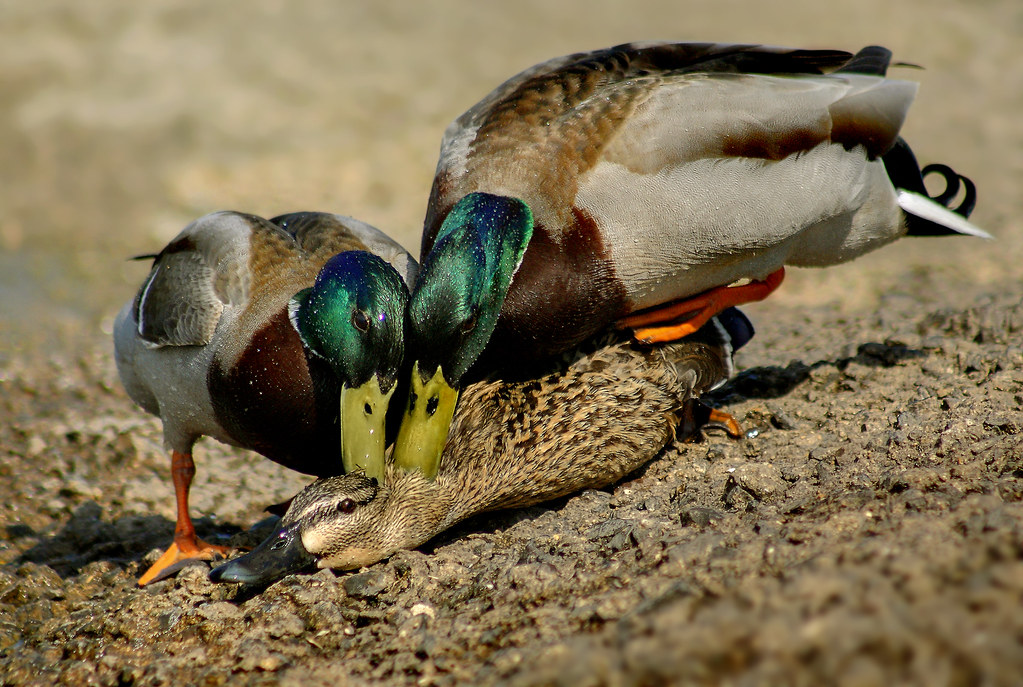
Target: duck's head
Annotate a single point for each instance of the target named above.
(335, 522)
(354, 317)
(453, 310)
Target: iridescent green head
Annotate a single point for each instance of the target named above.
(464, 280)
(453, 311)
(354, 317)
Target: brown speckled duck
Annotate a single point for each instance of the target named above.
(510, 445)
(208, 346)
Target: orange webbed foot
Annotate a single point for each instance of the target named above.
(188, 549)
(698, 416)
(719, 419)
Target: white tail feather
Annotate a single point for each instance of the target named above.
(923, 207)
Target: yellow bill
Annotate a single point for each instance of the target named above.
(424, 428)
(363, 415)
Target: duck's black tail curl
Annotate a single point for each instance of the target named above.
(873, 59)
(928, 215)
(953, 181)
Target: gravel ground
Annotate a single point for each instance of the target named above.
(867, 531)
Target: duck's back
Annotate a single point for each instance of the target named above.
(585, 426)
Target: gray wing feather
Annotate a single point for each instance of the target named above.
(176, 305)
(192, 279)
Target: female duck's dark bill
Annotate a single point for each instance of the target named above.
(281, 554)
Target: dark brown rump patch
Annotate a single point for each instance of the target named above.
(563, 293)
(281, 401)
(774, 145)
(850, 127)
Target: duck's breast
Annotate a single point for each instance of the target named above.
(279, 400)
(564, 291)
(268, 391)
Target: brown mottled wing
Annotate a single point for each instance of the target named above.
(524, 108)
(318, 231)
(586, 426)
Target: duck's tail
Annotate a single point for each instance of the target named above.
(729, 331)
(928, 215)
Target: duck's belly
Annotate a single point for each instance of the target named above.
(710, 222)
(167, 381)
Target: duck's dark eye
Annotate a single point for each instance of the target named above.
(346, 506)
(470, 323)
(360, 321)
(280, 542)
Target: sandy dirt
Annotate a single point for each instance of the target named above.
(868, 531)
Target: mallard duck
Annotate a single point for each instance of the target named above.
(511, 444)
(635, 185)
(207, 345)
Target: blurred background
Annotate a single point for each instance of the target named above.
(122, 121)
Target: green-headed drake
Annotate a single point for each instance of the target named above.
(585, 425)
(636, 185)
(213, 345)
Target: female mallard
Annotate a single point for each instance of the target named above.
(635, 184)
(511, 445)
(207, 345)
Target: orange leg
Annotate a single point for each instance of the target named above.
(186, 544)
(696, 311)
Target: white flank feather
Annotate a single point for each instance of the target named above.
(925, 208)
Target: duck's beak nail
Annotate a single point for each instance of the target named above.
(281, 554)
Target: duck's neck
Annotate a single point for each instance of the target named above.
(416, 509)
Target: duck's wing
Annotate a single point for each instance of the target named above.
(328, 234)
(201, 271)
(537, 133)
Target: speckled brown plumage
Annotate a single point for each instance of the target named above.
(608, 414)
(514, 444)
